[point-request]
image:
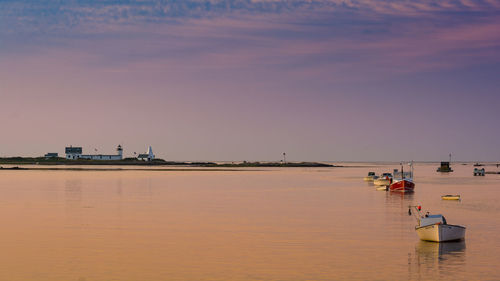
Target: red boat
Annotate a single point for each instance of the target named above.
(403, 181)
(404, 185)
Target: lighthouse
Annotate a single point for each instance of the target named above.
(119, 149)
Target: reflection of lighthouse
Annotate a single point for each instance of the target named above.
(119, 149)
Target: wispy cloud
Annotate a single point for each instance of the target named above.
(60, 15)
(379, 37)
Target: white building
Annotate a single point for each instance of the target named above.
(74, 153)
(149, 156)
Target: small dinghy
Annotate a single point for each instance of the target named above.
(435, 228)
(450, 197)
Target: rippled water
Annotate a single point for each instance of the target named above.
(267, 224)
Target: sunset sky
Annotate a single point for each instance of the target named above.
(322, 80)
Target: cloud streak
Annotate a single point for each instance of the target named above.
(323, 38)
(61, 15)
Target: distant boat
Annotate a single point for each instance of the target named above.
(435, 228)
(403, 181)
(479, 172)
(478, 165)
(371, 176)
(450, 197)
(445, 167)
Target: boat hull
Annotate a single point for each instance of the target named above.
(402, 186)
(450, 197)
(441, 232)
(382, 182)
(444, 170)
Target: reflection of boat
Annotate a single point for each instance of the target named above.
(450, 197)
(381, 188)
(432, 260)
(371, 176)
(399, 199)
(445, 167)
(384, 180)
(403, 181)
(426, 248)
(435, 228)
(430, 253)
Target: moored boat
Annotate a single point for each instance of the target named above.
(435, 228)
(445, 168)
(403, 181)
(384, 180)
(371, 176)
(479, 172)
(450, 197)
(404, 185)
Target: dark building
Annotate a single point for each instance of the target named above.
(73, 150)
(51, 155)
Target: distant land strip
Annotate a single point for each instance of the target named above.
(155, 162)
(118, 169)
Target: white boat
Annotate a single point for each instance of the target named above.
(435, 228)
(384, 180)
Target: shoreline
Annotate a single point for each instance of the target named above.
(17, 168)
(156, 163)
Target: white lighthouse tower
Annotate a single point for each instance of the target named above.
(119, 149)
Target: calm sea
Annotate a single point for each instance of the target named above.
(255, 224)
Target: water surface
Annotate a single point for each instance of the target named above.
(255, 224)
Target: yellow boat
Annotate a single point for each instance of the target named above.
(450, 197)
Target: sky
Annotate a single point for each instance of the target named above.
(234, 80)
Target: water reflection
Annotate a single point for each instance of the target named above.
(437, 258)
(73, 191)
(119, 189)
(441, 251)
(399, 198)
(73, 196)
